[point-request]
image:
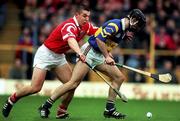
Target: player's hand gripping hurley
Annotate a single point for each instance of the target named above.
(161, 77)
(122, 96)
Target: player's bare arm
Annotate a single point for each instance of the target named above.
(74, 45)
(103, 49)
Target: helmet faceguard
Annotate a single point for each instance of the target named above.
(137, 20)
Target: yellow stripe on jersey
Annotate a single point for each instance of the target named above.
(103, 34)
(107, 33)
(98, 31)
(114, 25)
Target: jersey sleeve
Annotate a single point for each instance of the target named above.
(68, 31)
(103, 32)
(92, 29)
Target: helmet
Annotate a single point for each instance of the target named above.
(138, 16)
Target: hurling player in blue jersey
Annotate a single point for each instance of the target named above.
(97, 51)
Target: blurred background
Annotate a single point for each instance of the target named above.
(25, 24)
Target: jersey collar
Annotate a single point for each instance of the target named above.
(123, 24)
(76, 22)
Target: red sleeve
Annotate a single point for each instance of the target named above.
(69, 31)
(91, 30)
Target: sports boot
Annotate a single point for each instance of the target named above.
(113, 114)
(6, 108)
(62, 113)
(44, 112)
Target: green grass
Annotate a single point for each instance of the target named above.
(91, 109)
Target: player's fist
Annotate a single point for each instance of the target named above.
(82, 57)
(109, 60)
(129, 36)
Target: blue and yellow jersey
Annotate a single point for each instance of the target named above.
(111, 32)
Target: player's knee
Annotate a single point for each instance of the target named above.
(35, 89)
(75, 85)
(120, 78)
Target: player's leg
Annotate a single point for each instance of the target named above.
(64, 75)
(79, 72)
(117, 79)
(38, 78)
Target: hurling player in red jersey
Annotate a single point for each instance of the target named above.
(50, 56)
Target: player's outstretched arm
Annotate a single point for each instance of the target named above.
(74, 46)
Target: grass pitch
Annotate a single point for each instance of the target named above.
(91, 109)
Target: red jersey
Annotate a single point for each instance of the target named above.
(57, 40)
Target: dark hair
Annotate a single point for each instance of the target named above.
(136, 13)
(81, 7)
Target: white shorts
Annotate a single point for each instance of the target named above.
(47, 59)
(93, 57)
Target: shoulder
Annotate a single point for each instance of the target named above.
(113, 21)
(68, 22)
(113, 24)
